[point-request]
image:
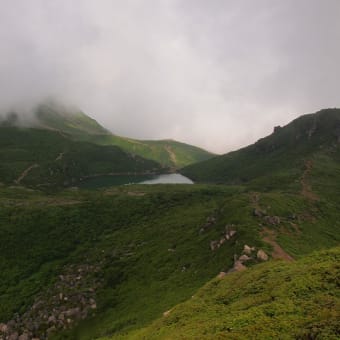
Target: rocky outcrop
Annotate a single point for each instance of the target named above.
(210, 222)
(72, 298)
(230, 231)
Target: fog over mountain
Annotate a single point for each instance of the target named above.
(218, 73)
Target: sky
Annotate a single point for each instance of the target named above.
(219, 74)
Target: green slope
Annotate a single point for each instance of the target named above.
(166, 152)
(281, 154)
(275, 300)
(47, 158)
(126, 255)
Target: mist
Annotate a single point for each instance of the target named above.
(217, 74)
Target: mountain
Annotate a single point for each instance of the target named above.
(296, 299)
(48, 158)
(280, 155)
(124, 262)
(169, 153)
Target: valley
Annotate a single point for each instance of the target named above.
(250, 250)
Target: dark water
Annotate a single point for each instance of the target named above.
(107, 181)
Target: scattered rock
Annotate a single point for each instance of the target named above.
(13, 336)
(259, 212)
(210, 222)
(167, 313)
(261, 255)
(3, 328)
(273, 220)
(232, 233)
(214, 245)
(239, 266)
(24, 337)
(248, 250)
(244, 258)
(221, 275)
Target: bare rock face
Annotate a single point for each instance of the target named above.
(262, 256)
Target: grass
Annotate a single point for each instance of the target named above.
(298, 300)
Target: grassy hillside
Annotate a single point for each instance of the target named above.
(141, 250)
(274, 300)
(166, 152)
(48, 158)
(282, 154)
(107, 263)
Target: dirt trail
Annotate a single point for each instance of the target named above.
(269, 236)
(25, 173)
(306, 187)
(171, 154)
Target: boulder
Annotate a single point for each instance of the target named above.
(261, 255)
(247, 250)
(24, 337)
(214, 245)
(167, 313)
(13, 336)
(232, 233)
(3, 328)
(244, 258)
(239, 266)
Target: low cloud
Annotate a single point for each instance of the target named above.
(218, 74)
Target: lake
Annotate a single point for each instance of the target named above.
(107, 181)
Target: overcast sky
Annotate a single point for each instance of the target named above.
(215, 73)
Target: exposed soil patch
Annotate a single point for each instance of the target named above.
(269, 236)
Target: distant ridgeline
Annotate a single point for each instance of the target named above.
(255, 259)
(59, 146)
(278, 157)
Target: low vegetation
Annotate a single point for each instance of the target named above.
(123, 262)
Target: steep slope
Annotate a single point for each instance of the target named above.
(74, 122)
(282, 154)
(274, 300)
(70, 120)
(47, 158)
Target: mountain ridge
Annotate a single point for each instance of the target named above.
(282, 150)
(168, 152)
